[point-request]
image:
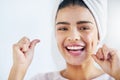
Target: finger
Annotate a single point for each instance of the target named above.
(16, 50)
(105, 52)
(33, 43)
(97, 60)
(24, 44)
(25, 47)
(23, 40)
(99, 54)
(113, 53)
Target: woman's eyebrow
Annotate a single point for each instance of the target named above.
(66, 23)
(83, 22)
(79, 22)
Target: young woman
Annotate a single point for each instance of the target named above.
(78, 27)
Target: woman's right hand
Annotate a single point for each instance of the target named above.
(22, 57)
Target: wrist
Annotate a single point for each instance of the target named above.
(17, 72)
(20, 69)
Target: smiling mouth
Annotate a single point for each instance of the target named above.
(75, 50)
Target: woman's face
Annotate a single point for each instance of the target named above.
(76, 34)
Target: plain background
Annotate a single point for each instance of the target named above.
(32, 18)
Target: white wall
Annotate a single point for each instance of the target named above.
(32, 18)
(113, 38)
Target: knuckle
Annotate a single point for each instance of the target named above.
(26, 39)
(25, 48)
(23, 40)
(14, 45)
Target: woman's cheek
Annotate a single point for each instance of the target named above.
(89, 40)
(60, 40)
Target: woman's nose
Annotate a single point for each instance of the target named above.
(74, 36)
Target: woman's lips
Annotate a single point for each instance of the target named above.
(75, 49)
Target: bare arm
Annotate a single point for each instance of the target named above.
(22, 56)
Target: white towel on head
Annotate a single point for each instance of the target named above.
(99, 10)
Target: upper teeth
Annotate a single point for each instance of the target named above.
(74, 47)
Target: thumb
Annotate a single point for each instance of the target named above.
(33, 43)
(96, 59)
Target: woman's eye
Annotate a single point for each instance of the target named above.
(84, 28)
(62, 29)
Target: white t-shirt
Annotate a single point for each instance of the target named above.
(57, 76)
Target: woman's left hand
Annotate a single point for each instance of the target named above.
(109, 60)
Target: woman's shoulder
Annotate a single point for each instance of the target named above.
(48, 76)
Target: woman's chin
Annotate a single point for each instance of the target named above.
(75, 62)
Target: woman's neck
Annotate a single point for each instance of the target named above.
(82, 72)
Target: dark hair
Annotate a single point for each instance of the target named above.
(66, 3)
